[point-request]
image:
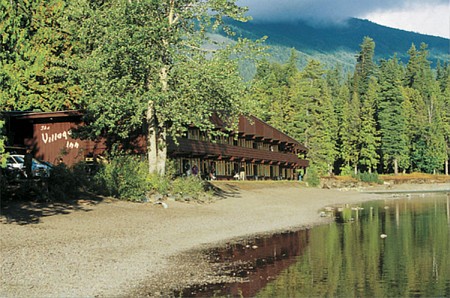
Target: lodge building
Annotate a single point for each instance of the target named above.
(256, 151)
(261, 150)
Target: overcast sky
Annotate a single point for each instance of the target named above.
(423, 16)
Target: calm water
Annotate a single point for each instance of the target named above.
(349, 258)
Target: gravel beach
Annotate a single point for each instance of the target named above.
(110, 248)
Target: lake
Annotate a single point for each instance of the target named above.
(383, 248)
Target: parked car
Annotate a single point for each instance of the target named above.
(38, 168)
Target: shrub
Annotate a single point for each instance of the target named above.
(159, 184)
(3, 185)
(312, 177)
(125, 177)
(368, 177)
(347, 171)
(65, 182)
(190, 187)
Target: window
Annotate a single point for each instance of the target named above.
(193, 134)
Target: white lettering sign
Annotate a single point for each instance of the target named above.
(49, 138)
(72, 145)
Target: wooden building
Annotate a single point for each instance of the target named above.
(256, 151)
(50, 136)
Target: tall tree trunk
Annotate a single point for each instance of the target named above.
(156, 143)
(162, 150)
(446, 167)
(395, 166)
(152, 132)
(157, 132)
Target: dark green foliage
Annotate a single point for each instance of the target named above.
(35, 51)
(365, 67)
(189, 188)
(67, 182)
(312, 176)
(127, 178)
(335, 44)
(368, 177)
(144, 67)
(369, 136)
(134, 65)
(391, 119)
(386, 118)
(124, 177)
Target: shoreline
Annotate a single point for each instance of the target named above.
(116, 248)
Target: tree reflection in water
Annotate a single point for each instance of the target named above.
(348, 257)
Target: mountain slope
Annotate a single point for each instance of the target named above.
(339, 43)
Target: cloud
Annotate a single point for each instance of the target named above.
(432, 20)
(325, 11)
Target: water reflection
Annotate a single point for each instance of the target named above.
(350, 257)
(255, 263)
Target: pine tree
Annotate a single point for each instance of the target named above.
(323, 124)
(298, 102)
(350, 134)
(446, 118)
(414, 111)
(442, 74)
(436, 150)
(365, 66)
(340, 104)
(369, 139)
(394, 145)
(428, 150)
(298, 126)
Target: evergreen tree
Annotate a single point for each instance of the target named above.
(436, 150)
(394, 145)
(340, 103)
(442, 74)
(334, 79)
(418, 74)
(323, 125)
(446, 119)
(299, 99)
(272, 88)
(428, 149)
(369, 138)
(365, 66)
(414, 111)
(260, 93)
(349, 134)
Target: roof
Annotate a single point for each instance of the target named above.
(43, 115)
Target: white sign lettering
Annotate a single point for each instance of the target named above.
(49, 138)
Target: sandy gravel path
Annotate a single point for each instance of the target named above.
(113, 247)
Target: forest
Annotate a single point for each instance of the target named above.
(385, 116)
(135, 64)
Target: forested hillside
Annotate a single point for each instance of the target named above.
(135, 66)
(384, 117)
(337, 44)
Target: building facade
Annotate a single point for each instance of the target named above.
(255, 151)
